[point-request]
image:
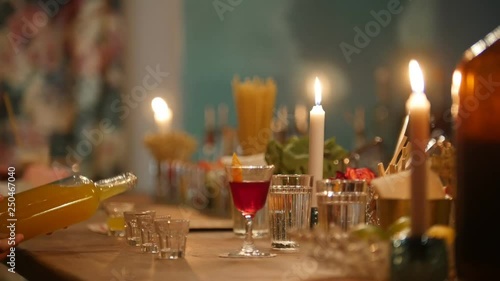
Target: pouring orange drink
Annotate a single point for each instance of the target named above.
(59, 204)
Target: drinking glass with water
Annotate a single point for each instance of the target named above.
(289, 208)
(341, 203)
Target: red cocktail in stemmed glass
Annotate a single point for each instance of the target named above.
(249, 187)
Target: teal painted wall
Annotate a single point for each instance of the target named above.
(251, 40)
(293, 40)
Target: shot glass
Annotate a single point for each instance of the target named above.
(172, 234)
(132, 229)
(341, 203)
(145, 222)
(289, 208)
(115, 218)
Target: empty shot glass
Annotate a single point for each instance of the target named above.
(289, 208)
(172, 234)
(115, 219)
(132, 229)
(145, 222)
(155, 236)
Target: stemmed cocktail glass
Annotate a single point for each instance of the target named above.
(249, 187)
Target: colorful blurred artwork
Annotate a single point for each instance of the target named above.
(62, 69)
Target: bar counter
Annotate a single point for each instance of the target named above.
(77, 253)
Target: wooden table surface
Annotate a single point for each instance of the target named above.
(80, 254)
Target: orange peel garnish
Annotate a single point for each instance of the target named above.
(236, 173)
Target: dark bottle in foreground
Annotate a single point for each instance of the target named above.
(477, 128)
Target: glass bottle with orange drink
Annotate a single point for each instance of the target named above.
(59, 204)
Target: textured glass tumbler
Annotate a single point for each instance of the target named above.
(341, 203)
(289, 208)
(172, 236)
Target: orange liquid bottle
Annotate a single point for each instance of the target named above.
(59, 204)
(477, 133)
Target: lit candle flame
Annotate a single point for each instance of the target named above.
(416, 77)
(161, 110)
(317, 91)
(158, 104)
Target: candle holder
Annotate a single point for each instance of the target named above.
(419, 258)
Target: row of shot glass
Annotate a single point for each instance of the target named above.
(161, 235)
